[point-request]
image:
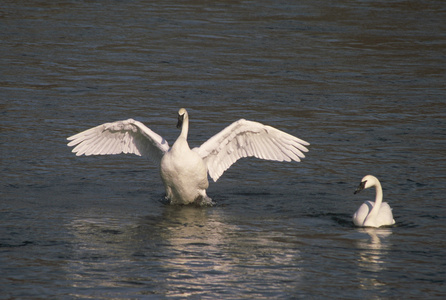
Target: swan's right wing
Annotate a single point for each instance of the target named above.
(247, 138)
(127, 136)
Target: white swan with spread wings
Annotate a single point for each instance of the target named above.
(183, 170)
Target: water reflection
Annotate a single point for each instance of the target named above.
(181, 237)
(372, 256)
(194, 241)
(182, 252)
(206, 253)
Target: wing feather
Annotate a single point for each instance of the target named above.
(128, 136)
(247, 138)
(107, 145)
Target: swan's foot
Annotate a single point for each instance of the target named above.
(165, 200)
(200, 201)
(204, 201)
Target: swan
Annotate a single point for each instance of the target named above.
(373, 214)
(184, 171)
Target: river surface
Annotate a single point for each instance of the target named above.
(362, 81)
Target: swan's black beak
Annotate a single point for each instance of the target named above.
(360, 187)
(180, 121)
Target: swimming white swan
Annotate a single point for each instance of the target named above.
(184, 171)
(373, 214)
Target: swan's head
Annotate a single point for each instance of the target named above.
(366, 182)
(182, 114)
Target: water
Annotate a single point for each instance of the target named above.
(362, 81)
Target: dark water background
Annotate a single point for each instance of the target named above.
(362, 81)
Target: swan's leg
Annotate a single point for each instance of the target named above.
(203, 199)
(168, 194)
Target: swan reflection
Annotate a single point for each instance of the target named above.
(180, 238)
(372, 255)
(183, 251)
(373, 250)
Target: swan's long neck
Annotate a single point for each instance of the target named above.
(185, 127)
(378, 200)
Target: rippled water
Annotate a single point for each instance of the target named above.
(362, 81)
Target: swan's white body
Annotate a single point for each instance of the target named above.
(373, 214)
(184, 171)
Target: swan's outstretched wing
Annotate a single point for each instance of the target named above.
(127, 136)
(246, 138)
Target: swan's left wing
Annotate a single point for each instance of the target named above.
(128, 136)
(247, 138)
